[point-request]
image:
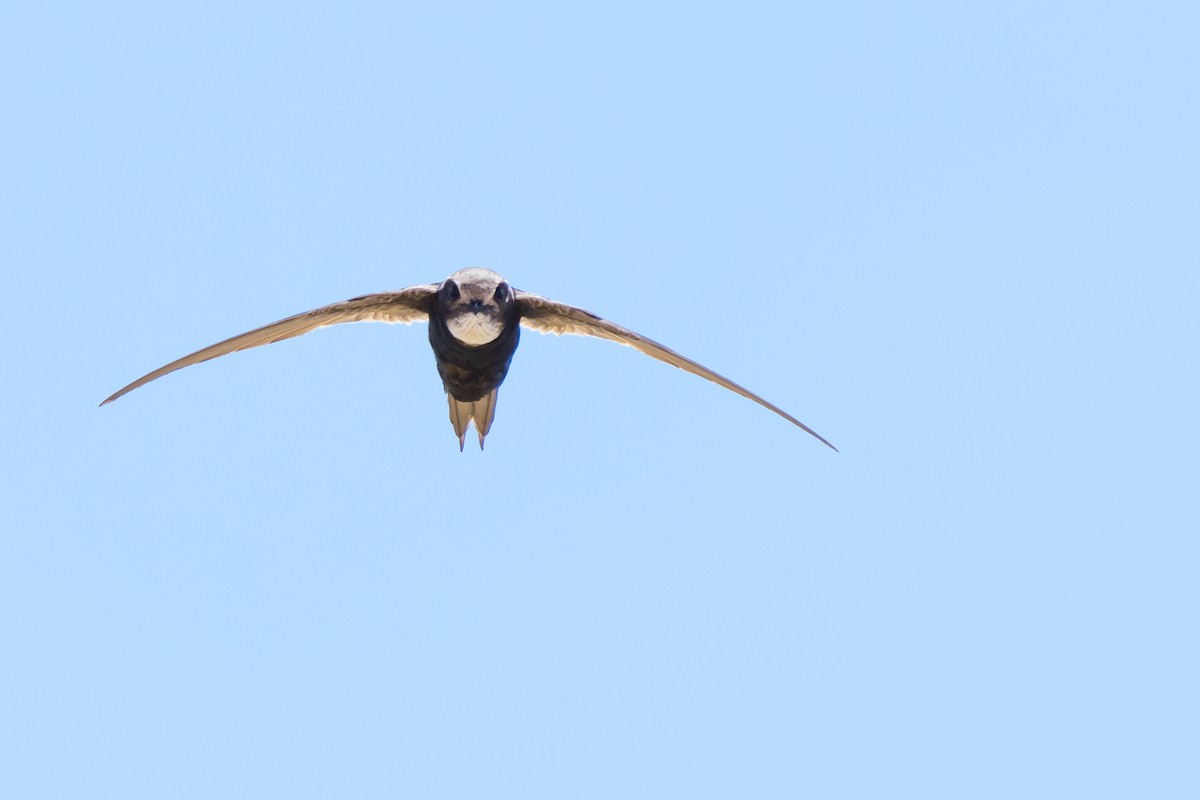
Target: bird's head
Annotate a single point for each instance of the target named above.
(475, 304)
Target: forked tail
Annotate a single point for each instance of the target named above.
(481, 412)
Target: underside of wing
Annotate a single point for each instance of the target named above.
(547, 316)
(405, 306)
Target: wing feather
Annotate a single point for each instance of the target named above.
(547, 316)
(405, 306)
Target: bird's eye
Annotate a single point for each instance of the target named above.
(501, 293)
(452, 290)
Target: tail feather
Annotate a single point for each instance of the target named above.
(460, 418)
(481, 412)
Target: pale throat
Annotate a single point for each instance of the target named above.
(473, 328)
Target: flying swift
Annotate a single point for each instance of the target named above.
(475, 319)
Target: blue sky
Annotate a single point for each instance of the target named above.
(959, 240)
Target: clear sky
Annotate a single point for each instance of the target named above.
(960, 240)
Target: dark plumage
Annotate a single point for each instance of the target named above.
(475, 321)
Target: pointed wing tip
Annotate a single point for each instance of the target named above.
(117, 395)
(810, 432)
(822, 440)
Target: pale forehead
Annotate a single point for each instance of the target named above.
(475, 276)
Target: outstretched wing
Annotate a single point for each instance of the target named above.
(547, 316)
(405, 306)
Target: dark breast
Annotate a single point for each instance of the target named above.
(470, 373)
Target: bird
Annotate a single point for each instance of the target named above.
(475, 318)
